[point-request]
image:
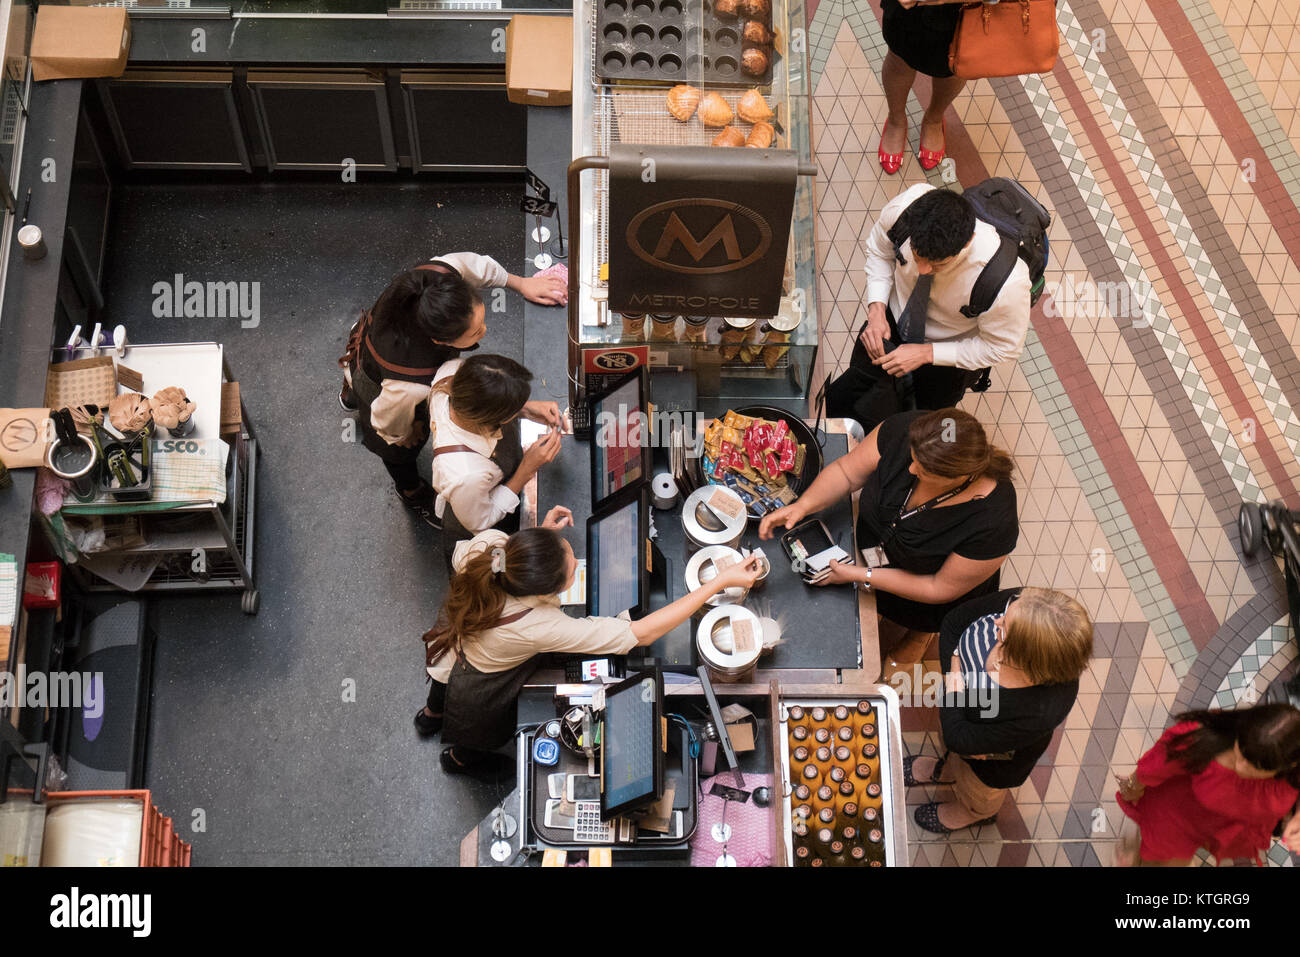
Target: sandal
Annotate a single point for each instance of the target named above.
(891, 163)
(932, 158)
(911, 781)
(927, 817)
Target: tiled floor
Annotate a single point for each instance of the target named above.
(1165, 143)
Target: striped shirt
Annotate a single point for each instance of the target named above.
(974, 647)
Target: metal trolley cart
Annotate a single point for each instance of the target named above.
(189, 545)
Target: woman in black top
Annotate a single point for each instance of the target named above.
(1012, 662)
(937, 499)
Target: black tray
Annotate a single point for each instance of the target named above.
(658, 41)
(803, 435)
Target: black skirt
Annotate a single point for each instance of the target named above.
(922, 36)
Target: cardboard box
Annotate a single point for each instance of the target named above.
(539, 60)
(80, 42)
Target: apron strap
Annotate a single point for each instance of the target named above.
(504, 620)
(455, 448)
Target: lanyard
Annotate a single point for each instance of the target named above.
(925, 506)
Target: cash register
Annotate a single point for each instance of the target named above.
(634, 787)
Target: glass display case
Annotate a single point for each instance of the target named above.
(627, 55)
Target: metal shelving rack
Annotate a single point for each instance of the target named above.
(225, 531)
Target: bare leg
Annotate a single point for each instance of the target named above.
(942, 92)
(897, 79)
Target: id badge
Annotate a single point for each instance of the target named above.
(875, 557)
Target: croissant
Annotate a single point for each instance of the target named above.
(729, 137)
(756, 9)
(761, 136)
(714, 111)
(754, 61)
(753, 108)
(756, 32)
(725, 8)
(682, 101)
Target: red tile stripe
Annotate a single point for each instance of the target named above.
(1231, 121)
(1163, 262)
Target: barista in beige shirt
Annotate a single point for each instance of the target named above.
(502, 611)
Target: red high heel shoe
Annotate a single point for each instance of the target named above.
(891, 163)
(929, 158)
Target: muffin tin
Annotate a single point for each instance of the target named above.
(660, 41)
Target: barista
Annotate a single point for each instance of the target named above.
(502, 611)
(424, 317)
(479, 469)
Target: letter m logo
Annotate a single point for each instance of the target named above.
(675, 231)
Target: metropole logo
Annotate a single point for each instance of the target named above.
(660, 235)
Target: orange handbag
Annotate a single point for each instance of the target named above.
(1010, 38)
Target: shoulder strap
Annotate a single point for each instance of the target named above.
(455, 448)
(991, 278)
(393, 367)
(511, 619)
(901, 232)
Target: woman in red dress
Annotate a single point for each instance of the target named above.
(1221, 780)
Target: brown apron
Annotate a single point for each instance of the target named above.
(480, 706)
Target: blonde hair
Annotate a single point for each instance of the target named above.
(1049, 636)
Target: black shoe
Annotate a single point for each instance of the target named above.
(480, 763)
(426, 725)
(421, 503)
(347, 400)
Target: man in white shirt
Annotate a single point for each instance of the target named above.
(917, 346)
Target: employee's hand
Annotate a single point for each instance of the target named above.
(541, 452)
(786, 517)
(548, 413)
(543, 290)
(906, 358)
(557, 518)
(877, 330)
(839, 573)
(742, 575)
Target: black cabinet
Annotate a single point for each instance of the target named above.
(176, 119)
(463, 121)
(321, 119)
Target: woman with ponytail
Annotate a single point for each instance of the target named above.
(425, 317)
(502, 611)
(937, 503)
(1226, 781)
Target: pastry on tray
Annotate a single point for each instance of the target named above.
(756, 9)
(726, 8)
(761, 136)
(756, 32)
(730, 136)
(754, 61)
(682, 101)
(714, 111)
(753, 108)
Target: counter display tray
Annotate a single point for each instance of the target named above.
(889, 735)
(673, 41)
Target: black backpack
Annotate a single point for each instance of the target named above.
(1022, 223)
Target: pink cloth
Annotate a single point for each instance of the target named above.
(751, 826)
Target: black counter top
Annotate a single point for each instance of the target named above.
(820, 625)
(467, 39)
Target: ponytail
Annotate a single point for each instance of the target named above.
(531, 562)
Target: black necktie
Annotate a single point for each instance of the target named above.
(911, 325)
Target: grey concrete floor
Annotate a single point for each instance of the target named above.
(250, 729)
